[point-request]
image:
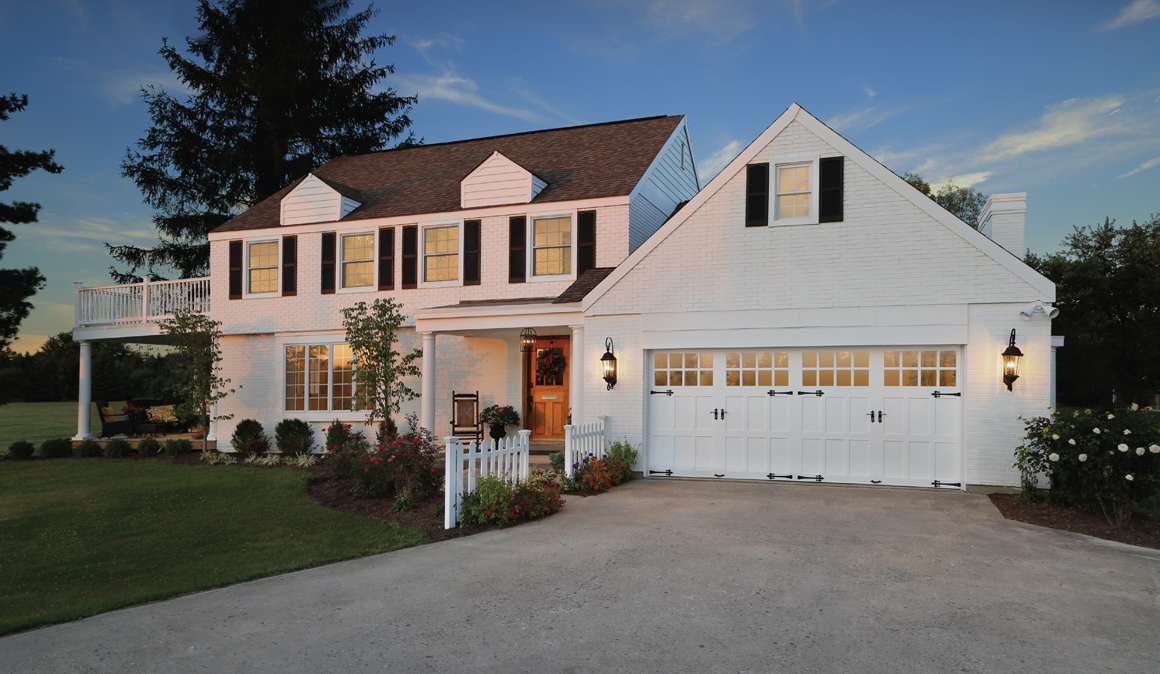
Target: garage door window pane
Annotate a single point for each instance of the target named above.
(688, 369)
(662, 361)
(928, 368)
(661, 377)
(946, 378)
(835, 368)
(754, 368)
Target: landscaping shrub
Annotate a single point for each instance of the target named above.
(56, 448)
(178, 447)
(405, 466)
(494, 501)
(623, 452)
(148, 447)
(117, 448)
(294, 437)
(1104, 461)
(250, 438)
(87, 449)
(21, 450)
(600, 475)
(556, 460)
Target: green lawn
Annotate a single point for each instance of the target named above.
(37, 422)
(82, 536)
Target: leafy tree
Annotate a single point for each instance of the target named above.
(278, 87)
(372, 332)
(963, 202)
(1108, 294)
(197, 370)
(17, 285)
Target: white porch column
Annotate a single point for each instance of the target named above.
(576, 386)
(85, 393)
(427, 401)
(1056, 342)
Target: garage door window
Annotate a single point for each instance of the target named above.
(919, 368)
(757, 368)
(835, 368)
(683, 369)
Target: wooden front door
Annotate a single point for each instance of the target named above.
(548, 388)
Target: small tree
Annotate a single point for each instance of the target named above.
(198, 383)
(372, 332)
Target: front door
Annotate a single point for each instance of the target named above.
(548, 388)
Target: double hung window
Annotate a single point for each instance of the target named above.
(441, 253)
(319, 378)
(552, 246)
(262, 264)
(794, 191)
(358, 267)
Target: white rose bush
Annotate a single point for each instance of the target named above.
(1078, 453)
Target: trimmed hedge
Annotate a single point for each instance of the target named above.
(21, 450)
(117, 448)
(56, 448)
(87, 449)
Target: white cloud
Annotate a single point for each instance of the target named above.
(861, 117)
(718, 160)
(965, 180)
(1064, 124)
(455, 88)
(1142, 167)
(1140, 10)
(88, 234)
(123, 86)
(723, 19)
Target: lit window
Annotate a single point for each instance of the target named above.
(919, 368)
(441, 253)
(793, 191)
(683, 369)
(319, 378)
(835, 368)
(760, 368)
(358, 269)
(263, 267)
(552, 246)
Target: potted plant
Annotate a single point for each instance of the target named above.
(498, 418)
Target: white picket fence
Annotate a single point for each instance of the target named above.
(581, 440)
(506, 458)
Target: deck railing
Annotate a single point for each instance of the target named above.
(145, 302)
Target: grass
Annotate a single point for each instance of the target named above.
(37, 422)
(83, 536)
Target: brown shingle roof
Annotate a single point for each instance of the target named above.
(583, 285)
(579, 162)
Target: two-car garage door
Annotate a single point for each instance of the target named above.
(855, 415)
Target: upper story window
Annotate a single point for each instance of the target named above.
(263, 267)
(793, 191)
(441, 253)
(358, 268)
(552, 246)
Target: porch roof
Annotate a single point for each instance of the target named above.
(531, 312)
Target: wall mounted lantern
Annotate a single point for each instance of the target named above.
(609, 362)
(1011, 359)
(527, 340)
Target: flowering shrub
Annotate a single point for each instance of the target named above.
(600, 475)
(495, 501)
(499, 415)
(405, 465)
(1104, 461)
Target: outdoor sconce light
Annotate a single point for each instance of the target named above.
(1011, 358)
(609, 362)
(527, 340)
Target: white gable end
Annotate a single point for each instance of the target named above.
(499, 181)
(315, 201)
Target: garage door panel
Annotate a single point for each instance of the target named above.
(757, 455)
(663, 414)
(856, 410)
(920, 460)
(894, 458)
(946, 461)
(779, 414)
(684, 455)
(894, 415)
(946, 418)
(860, 458)
(661, 456)
(705, 459)
(783, 458)
(836, 413)
(684, 412)
(736, 455)
(702, 414)
(920, 421)
(835, 458)
(813, 415)
(756, 414)
(813, 456)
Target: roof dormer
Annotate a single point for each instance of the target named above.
(498, 181)
(317, 199)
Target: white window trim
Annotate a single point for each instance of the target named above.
(422, 257)
(374, 234)
(814, 162)
(277, 291)
(530, 251)
(307, 340)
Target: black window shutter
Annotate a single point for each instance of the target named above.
(517, 260)
(289, 266)
(757, 195)
(410, 257)
(328, 263)
(471, 252)
(235, 270)
(386, 258)
(586, 241)
(830, 190)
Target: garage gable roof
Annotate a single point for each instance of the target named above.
(851, 152)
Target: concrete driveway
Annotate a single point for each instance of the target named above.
(668, 576)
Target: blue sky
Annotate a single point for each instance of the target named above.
(1057, 99)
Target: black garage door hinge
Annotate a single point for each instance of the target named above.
(938, 483)
(819, 393)
(940, 394)
(815, 478)
(772, 393)
(661, 393)
(774, 477)
(667, 473)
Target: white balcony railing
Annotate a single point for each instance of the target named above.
(145, 302)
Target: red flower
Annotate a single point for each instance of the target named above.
(366, 470)
(376, 459)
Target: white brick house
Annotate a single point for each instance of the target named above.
(805, 315)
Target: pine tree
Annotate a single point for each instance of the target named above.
(278, 87)
(17, 285)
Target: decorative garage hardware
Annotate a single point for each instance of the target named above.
(661, 393)
(1011, 359)
(666, 473)
(715, 413)
(718, 474)
(774, 477)
(871, 414)
(819, 393)
(880, 415)
(938, 483)
(609, 362)
(875, 481)
(815, 478)
(772, 393)
(940, 394)
(528, 340)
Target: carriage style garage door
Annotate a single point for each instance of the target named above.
(865, 416)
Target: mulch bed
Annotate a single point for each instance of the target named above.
(1143, 530)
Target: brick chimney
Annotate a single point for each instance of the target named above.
(1002, 221)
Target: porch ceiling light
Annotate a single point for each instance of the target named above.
(528, 340)
(1011, 359)
(609, 362)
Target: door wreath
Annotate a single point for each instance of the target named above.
(550, 365)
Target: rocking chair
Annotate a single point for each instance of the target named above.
(465, 417)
